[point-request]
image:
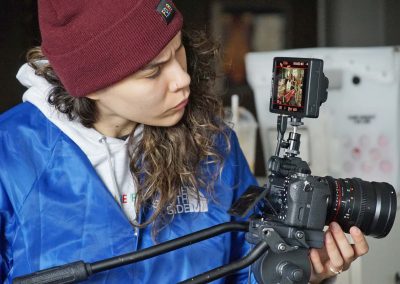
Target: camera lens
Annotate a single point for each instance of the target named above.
(371, 206)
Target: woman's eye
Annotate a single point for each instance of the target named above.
(154, 73)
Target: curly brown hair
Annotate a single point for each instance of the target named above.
(170, 157)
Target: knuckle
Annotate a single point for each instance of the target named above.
(349, 256)
(339, 263)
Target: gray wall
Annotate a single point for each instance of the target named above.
(359, 22)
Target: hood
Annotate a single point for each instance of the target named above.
(108, 155)
(37, 94)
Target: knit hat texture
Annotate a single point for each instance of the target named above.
(92, 44)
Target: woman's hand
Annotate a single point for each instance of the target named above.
(337, 254)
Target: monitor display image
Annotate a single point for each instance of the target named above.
(289, 86)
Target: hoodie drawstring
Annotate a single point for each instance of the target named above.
(103, 140)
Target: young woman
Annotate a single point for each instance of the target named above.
(119, 145)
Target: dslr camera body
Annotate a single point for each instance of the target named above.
(294, 206)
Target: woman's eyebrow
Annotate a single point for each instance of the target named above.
(152, 65)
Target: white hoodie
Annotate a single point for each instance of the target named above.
(109, 156)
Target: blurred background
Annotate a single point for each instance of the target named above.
(325, 28)
(241, 26)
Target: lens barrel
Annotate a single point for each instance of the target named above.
(371, 206)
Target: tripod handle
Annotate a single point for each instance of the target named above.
(69, 273)
(79, 271)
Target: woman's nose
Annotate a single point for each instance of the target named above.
(180, 79)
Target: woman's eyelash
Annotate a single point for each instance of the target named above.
(155, 73)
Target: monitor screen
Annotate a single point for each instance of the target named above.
(289, 86)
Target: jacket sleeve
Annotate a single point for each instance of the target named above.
(243, 178)
(5, 216)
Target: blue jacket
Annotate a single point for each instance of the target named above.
(54, 209)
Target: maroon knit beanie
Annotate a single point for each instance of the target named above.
(93, 44)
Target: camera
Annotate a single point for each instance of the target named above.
(294, 206)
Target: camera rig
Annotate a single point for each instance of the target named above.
(291, 209)
(295, 225)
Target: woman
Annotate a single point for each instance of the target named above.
(120, 144)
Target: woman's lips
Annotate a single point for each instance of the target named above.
(181, 105)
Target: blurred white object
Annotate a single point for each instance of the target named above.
(235, 109)
(356, 135)
(357, 132)
(245, 126)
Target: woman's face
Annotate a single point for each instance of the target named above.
(155, 95)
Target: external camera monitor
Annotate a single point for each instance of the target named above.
(299, 86)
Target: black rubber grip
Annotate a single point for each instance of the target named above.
(69, 273)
